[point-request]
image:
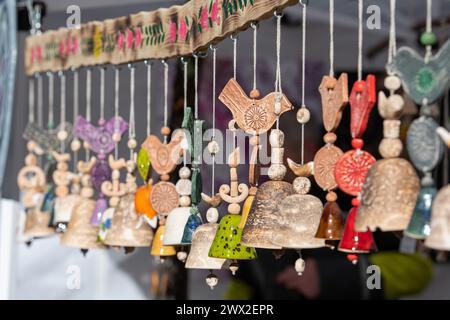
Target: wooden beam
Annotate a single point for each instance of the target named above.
(160, 34)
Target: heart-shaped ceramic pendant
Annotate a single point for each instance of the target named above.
(423, 80)
(47, 140)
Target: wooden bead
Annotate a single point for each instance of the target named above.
(276, 138)
(300, 266)
(165, 177)
(212, 215)
(116, 137)
(303, 115)
(62, 135)
(86, 145)
(165, 131)
(254, 94)
(357, 143)
(234, 208)
(213, 147)
(184, 187)
(359, 86)
(185, 201)
(391, 129)
(276, 172)
(276, 156)
(185, 173)
(132, 143)
(390, 148)
(301, 185)
(31, 145)
(30, 159)
(75, 145)
(331, 196)
(392, 83)
(428, 38)
(356, 202)
(330, 137)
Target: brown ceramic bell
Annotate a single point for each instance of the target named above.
(439, 238)
(263, 217)
(37, 224)
(388, 196)
(331, 223)
(126, 228)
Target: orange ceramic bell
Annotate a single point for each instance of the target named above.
(142, 201)
(158, 249)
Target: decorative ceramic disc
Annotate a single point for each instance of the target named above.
(351, 170)
(164, 197)
(424, 146)
(324, 163)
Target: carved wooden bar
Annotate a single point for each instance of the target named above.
(159, 34)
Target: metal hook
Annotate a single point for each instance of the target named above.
(278, 13)
(184, 60)
(213, 47)
(254, 25)
(303, 2)
(234, 37)
(148, 63)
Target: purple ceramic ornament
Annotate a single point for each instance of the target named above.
(100, 206)
(100, 173)
(100, 138)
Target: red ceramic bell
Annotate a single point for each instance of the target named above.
(355, 242)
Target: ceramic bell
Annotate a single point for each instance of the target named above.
(227, 241)
(65, 202)
(299, 218)
(263, 217)
(331, 224)
(80, 233)
(125, 229)
(439, 238)
(158, 248)
(391, 186)
(419, 225)
(37, 224)
(182, 221)
(354, 242)
(201, 242)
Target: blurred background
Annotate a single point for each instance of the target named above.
(40, 270)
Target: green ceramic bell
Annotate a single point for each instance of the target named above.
(227, 242)
(419, 225)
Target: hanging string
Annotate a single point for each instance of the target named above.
(88, 102)
(76, 108)
(62, 78)
(392, 51)
(102, 93)
(31, 100)
(166, 85)
(40, 117)
(255, 38)
(278, 45)
(213, 171)
(360, 38)
(50, 100)
(234, 39)
(116, 108)
(428, 29)
(331, 38)
(303, 79)
(132, 127)
(196, 86)
(185, 84)
(149, 95)
(278, 89)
